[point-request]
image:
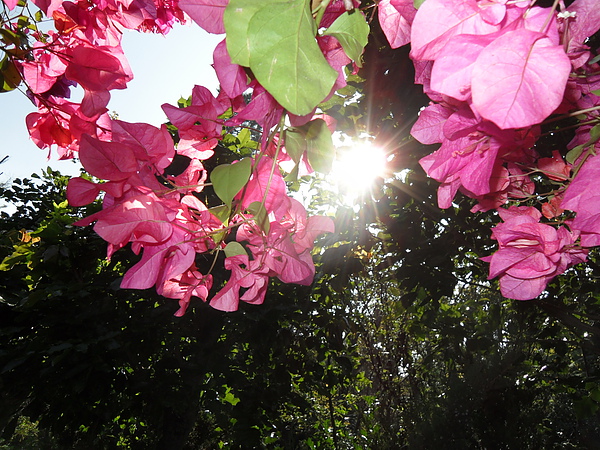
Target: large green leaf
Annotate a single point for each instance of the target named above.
(236, 18)
(228, 179)
(276, 39)
(352, 30)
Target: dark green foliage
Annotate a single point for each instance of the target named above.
(401, 342)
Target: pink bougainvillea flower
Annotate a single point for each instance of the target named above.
(10, 4)
(336, 8)
(337, 59)
(580, 21)
(451, 73)
(519, 79)
(148, 143)
(582, 196)
(201, 118)
(530, 253)
(395, 18)
(429, 127)
(505, 183)
(552, 208)
(206, 13)
(252, 277)
(437, 21)
(555, 167)
(232, 77)
(183, 287)
(266, 184)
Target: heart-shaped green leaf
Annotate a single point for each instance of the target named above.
(228, 179)
(234, 249)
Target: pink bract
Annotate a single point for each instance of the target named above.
(530, 254)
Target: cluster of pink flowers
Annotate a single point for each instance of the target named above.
(160, 215)
(530, 253)
(495, 70)
(85, 50)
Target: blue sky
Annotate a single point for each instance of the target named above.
(164, 68)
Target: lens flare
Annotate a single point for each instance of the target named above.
(358, 166)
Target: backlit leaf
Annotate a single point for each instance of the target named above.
(352, 30)
(228, 179)
(276, 39)
(319, 146)
(234, 248)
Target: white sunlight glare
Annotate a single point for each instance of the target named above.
(357, 166)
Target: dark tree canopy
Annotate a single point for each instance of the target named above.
(401, 341)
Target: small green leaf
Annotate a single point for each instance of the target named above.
(418, 3)
(9, 37)
(596, 92)
(229, 179)
(230, 398)
(9, 75)
(594, 60)
(292, 179)
(594, 134)
(234, 248)
(352, 30)
(245, 139)
(574, 153)
(23, 21)
(221, 212)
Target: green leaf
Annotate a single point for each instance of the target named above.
(236, 18)
(574, 153)
(230, 398)
(245, 139)
(577, 151)
(221, 212)
(314, 138)
(319, 146)
(594, 134)
(9, 75)
(352, 30)
(9, 37)
(228, 179)
(418, 3)
(234, 248)
(276, 39)
(295, 144)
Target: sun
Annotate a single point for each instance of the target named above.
(357, 166)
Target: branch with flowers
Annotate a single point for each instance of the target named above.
(497, 73)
